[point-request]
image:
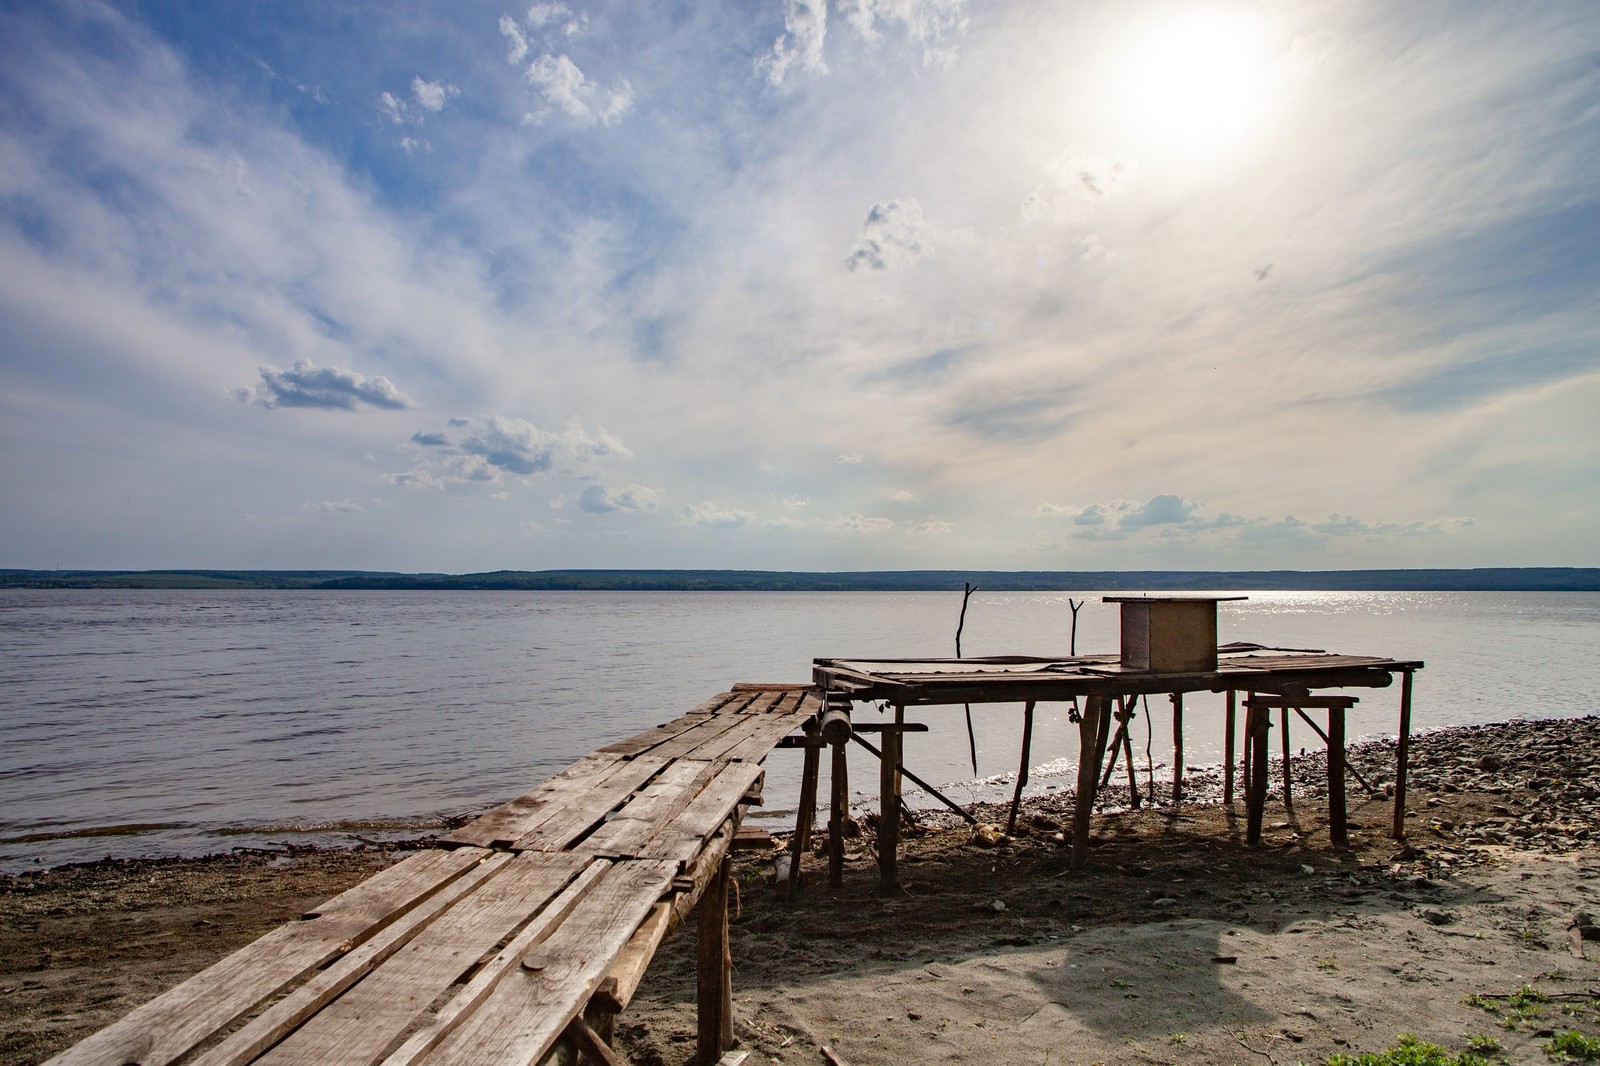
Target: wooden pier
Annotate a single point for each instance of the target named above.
(520, 943)
(523, 938)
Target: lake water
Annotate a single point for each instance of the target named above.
(209, 719)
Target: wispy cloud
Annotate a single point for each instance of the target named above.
(489, 448)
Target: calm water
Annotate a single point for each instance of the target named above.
(203, 715)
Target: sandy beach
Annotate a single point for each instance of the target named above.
(1177, 945)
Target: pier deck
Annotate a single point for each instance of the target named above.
(519, 943)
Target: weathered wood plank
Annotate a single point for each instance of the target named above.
(687, 741)
(438, 1026)
(361, 1024)
(528, 1008)
(581, 810)
(762, 740)
(511, 819)
(687, 833)
(172, 1024)
(651, 811)
(640, 743)
(280, 1019)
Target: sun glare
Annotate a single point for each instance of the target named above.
(1194, 80)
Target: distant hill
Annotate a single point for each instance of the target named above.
(1489, 579)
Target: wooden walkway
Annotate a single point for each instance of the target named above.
(520, 942)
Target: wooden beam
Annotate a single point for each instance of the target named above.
(590, 1046)
(1338, 824)
(713, 971)
(889, 809)
(838, 810)
(1401, 750)
(1022, 768)
(1257, 723)
(1177, 747)
(1227, 749)
(1288, 795)
(1095, 709)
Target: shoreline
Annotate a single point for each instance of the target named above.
(1000, 953)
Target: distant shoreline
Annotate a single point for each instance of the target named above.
(1484, 579)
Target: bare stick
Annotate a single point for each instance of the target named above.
(972, 738)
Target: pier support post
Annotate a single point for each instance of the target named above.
(1288, 796)
(806, 816)
(1091, 747)
(1177, 747)
(714, 978)
(1401, 750)
(1338, 821)
(1257, 721)
(889, 806)
(1022, 767)
(1227, 749)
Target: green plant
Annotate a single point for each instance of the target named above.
(1411, 1051)
(1483, 1045)
(1573, 1046)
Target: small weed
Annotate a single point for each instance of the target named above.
(1411, 1051)
(1117, 982)
(1484, 1045)
(1521, 1007)
(1573, 1046)
(1328, 964)
(1178, 1038)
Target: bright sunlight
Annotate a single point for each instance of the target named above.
(1193, 81)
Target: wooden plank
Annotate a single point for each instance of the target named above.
(622, 980)
(437, 1027)
(505, 823)
(752, 739)
(777, 726)
(280, 1019)
(172, 1024)
(526, 1010)
(590, 1046)
(581, 810)
(649, 813)
(785, 686)
(709, 810)
(640, 743)
(358, 1026)
(686, 742)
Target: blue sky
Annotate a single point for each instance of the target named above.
(799, 285)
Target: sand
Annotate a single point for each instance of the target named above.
(1178, 945)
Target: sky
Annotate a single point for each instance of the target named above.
(799, 285)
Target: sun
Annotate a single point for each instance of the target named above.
(1193, 80)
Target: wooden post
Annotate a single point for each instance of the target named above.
(1127, 753)
(1022, 770)
(1258, 720)
(1288, 798)
(1095, 709)
(1177, 747)
(1338, 824)
(1227, 751)
(889, 808)
(714, 979)
(806, 816)
(1401, 747)
(838, 809)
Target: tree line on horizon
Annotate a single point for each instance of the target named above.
(1485, 579)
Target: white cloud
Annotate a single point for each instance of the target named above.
(432, 95)
(563, 86)
(850, 459)
(516, 41)
(328, 388)
(861, 525)
(1077, 183)
(933, 527)
(893, 237)
(805, 25)
(338, 507)
(598, 499)
(714, 517)
(492, 447)
(928, 22)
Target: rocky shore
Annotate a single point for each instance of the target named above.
(1177, 945)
